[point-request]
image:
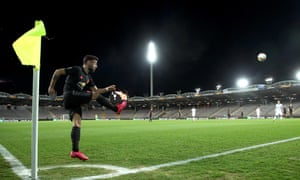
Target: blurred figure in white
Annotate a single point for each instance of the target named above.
(278, 110)
(194, 113)
(258, 112)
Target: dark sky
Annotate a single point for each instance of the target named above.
(200, 44)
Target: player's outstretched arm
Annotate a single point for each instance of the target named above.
(56, 75)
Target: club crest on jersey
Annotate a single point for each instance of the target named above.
(81, 85)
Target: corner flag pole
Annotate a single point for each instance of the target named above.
(35, 116)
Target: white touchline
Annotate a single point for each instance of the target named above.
(20, 170)
(151, 168)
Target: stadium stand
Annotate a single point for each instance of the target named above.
(210, 104)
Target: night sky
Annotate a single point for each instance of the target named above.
(199, 44)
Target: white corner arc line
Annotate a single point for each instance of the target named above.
(18, 168)
(103, 166)
(155, 167)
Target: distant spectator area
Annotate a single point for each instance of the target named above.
(210, 104)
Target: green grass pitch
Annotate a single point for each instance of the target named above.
(140, 143)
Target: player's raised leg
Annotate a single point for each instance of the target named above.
(115, 107)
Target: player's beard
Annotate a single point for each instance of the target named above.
(91, 69)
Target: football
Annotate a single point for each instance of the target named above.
(261, 57)
(117, 96)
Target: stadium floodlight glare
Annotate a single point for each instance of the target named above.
(269, 80)
(242, 82)
(218, 87)
(151, 56)
(197, 90)
(298, 75)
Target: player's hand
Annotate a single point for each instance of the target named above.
(51, 92)
(111, 88)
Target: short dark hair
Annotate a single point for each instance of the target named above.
(89, 57)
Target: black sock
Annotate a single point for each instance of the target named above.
(75, 136)
(102, 100)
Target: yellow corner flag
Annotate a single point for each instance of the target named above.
(28, 46)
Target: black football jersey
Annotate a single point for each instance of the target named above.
(77, 79)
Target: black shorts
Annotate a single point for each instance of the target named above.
(74, 100)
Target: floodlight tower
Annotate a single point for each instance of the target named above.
(151, 56)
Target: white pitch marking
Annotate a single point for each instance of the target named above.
(103, 166)
(155, 167)
(18, 168)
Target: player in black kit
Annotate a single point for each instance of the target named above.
(80, 89)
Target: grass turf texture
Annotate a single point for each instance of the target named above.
(134, 144)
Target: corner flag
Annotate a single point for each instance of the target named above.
(28, 46)
(28, 50)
